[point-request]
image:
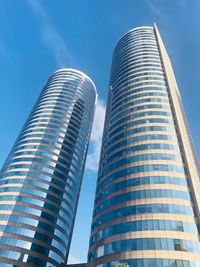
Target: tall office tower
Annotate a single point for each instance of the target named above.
(41, 178)
(147, 206)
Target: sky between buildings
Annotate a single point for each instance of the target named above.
(39, 36)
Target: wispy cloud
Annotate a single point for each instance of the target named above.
(197, 3)
(72, 259)
(154, 7)
(181, 3)
(51, 37)
(96, 136)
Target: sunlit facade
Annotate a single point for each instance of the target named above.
(146, 211)
(41, 178)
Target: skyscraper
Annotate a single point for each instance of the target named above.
(147, 205)
(41, 178)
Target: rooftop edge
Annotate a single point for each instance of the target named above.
(78, 72)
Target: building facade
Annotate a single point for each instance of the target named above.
(147, 205)
(41, 178)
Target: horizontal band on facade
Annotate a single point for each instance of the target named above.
(144, 187)
(144, 217)
(150, 254)
(140, 175)
(146, 234)
(14, 250)
(143, 202)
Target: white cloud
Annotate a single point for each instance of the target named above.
(96, 136)
(72, 259)
(50, 36)
(97, 128)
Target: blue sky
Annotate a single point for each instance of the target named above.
(37, 37)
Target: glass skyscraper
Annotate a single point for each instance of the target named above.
(147, 205)
(41, 178)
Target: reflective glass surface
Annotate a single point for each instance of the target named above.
(143, 187)
(41, 178)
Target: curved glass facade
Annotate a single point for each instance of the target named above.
(41, 178)
(145, 212)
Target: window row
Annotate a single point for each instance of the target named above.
(148, 128)
(145, 244)
(59, 91)
(49, 171)
(65, 151)
(111, 118)
(131, 140)
(11, 241)
(70, 184)
(65, 213)
(133, 44)
(137, 88)
(135, 58)
(133, 35)
(44, 237)
(38, 199)
(126, 125)
(61, 233)
(46, 213)
(133, 64)
(124, 93)
(62, 159)
(155, 70)
(139, 101)
(141, 194)
(151, 262)
(134, 96)
(141, 168)
(48, 162)
(36, 182)
(132, 149)
(144, 225)
(137, 51)
(138, 65)
(103, 192)
(50, 120)
(39, 167)
(142, 209)
(140, 157)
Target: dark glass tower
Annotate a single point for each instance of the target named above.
(146, 211)
(41, 178)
